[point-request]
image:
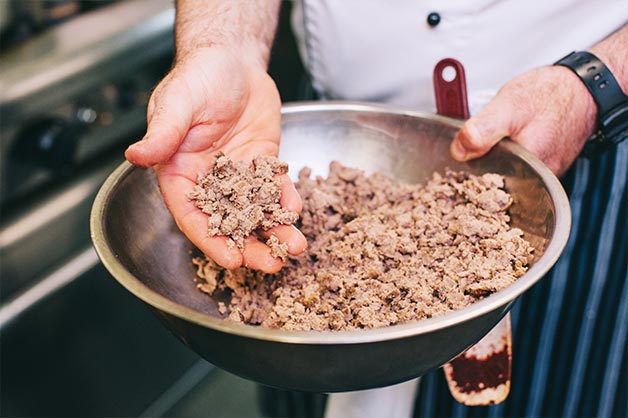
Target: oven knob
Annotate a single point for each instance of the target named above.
(47, 143)
(127, 94)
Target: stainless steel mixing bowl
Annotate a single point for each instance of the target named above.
(138, 242)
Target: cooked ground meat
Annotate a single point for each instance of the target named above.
(241, 199)
(381, 253)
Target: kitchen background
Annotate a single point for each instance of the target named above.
(75, 77)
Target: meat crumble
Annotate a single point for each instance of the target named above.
(380, 253)
(240, 199)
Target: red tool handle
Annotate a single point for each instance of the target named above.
(480, 375)
(450, 89)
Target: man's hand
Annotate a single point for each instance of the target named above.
(547, 110)
(213, 101)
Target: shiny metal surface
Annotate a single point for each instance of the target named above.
(141, 246)
(43, 232)
(86, 350)
(77, 90)
(53, 65)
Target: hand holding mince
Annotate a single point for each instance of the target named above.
(238, 214)
(242, 202)
(188, 124)
(239, 208)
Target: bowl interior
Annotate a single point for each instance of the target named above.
(139, 232)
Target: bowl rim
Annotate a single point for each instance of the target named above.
(558, 241)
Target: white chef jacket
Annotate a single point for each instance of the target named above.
(385, 51)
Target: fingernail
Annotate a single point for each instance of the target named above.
(458, 151)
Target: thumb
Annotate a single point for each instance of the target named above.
(480, 133)
(169, 120)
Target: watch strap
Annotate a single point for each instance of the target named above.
(612, 103)
(598, 79)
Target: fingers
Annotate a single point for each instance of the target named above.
(290, 198)
(289, 235)
(156, 147)
(480, 133)
(169, 120)
(256, 255)
(193, 222)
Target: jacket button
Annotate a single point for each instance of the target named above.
(433, 19)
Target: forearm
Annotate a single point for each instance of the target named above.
(245, 26)
(613, 51)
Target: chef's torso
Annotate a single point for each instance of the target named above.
(376, 50)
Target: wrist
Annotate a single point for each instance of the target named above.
(246, 28)
(579, 100)
(247, 56)
(610, 101)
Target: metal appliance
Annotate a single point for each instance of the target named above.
(73, 95)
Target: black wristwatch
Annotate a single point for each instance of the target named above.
(612, 103)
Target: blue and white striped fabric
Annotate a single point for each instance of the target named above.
(569, 331)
